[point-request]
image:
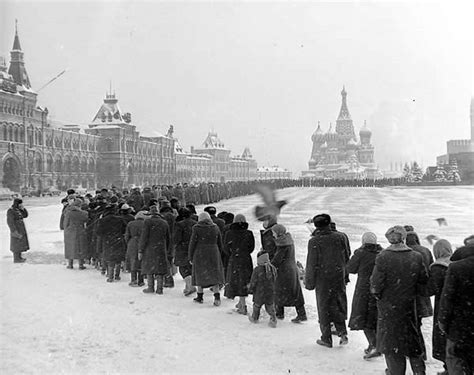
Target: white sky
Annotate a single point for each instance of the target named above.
(260, 74)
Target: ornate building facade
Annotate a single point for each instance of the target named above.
(337, 153)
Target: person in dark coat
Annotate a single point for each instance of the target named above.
(398, 274)
(132, 239)
(364, 306)
(228, 218)
(182, 234)
(169, 215)
(326, 273)
(205, 247)
(135, 200)
(211, 210)
(456, 312)
(18, 236)
(110, 233)
(287, 285)
(75, 236)
(239, 244)
(154, 251)
(442, 251)
(262, 286)
(266, 236)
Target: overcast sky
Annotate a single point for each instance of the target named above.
(260, 74)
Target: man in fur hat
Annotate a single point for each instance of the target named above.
(18, 236)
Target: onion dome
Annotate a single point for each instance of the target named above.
(318, 134)
(365, 130)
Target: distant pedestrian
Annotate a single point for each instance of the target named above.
(398, 274)
(18, 236)
(75, 236)
(132, 239)
(262, 286)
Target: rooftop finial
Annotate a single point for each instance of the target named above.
(16, 26)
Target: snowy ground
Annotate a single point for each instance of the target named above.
(55, 320)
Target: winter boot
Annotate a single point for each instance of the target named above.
(189, 289)
(301, 317)
(117, 271)
(110, 273)
(133, 279)
(344, 340)
(169, 281)
(372, 353)
(17, 258)
(199, 298)
(255, 314)
(159, 284)
(70, 264)
(81, 264)
(151, 284)
(217, 299)
(140, 278)
(324, 343)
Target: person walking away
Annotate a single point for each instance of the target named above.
(398, 274)
(326, 273)
(75, 235)
(442, 252)
(110, 231)
(287, 285)
(239, 243)
(262, 286)
(154, 251)
(132, 239)
(18, 236)
(266, 236)
(364, 305)
(205, 247)
(182, 234)
(169, 215)
(456, 312)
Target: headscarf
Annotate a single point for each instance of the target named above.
(442, 251)
(369, 238)
(239, 218)
(204, 217)
(142, 215)
(279, 230)
(397, 229)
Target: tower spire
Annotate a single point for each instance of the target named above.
(17, 65)
(344, 111)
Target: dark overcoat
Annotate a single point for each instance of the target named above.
(326, 272)
(205, 248)
(155, 245)
(456, 311)
(91, 224)
(110, 232)
(239, 243)
(262, 285)
(18, 236)
(75, 235)
(434, 288)
(182, 234)
(132, 239)
(364, 304)
(398, 274)
(268, 242)
(287, 284)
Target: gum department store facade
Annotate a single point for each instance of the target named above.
(36, 155)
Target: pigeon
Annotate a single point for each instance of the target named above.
(272, 206)
(441, 221)
(431, 238)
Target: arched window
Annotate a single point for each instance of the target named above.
(49, 163)
(39, 163)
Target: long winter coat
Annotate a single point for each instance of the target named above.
(287, 284)
(75, 235)
(91, 233)
(205, 248)
(398, 274)
(434, 288)
(155, 245)
(182, 234)
(326, 272)
(364, 304)
(132, 239)
(262, 286)
(456, 310)
(268, 241)
(239, 243)
(18, 236)
(110, 232)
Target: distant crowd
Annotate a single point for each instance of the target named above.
(156, 233)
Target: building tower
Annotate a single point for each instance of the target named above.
(344, 125)
(17, 64)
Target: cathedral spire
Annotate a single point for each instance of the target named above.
(344, 112)
(17, 65)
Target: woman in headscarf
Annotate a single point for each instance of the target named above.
(364, 304)
(239, 243)
(18, 236)
(205, 247)
(287, 285)
(75, 236)
(442, 251)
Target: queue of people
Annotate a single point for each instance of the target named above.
(213, 250)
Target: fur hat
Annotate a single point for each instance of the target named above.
(17, 201)
(397, 229)
(184, 212)
(239, 218)
(153, 210)
(321, 220)
(369, 238)
(211, 210)
(469, 240)
(77, 202)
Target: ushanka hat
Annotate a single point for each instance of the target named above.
(321, 220)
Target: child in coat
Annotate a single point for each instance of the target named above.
(262, 287)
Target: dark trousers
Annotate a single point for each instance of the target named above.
(397, 364)
(280, 311)
(326, 335)
(459, 358)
